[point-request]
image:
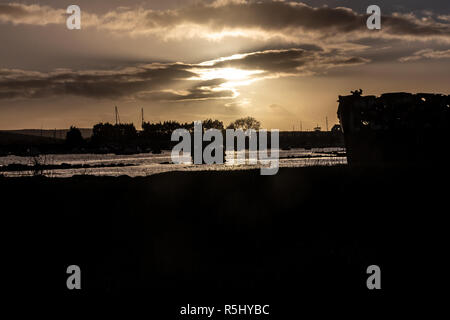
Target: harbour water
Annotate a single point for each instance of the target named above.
(146, 164)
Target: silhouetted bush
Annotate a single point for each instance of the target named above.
(74, 137)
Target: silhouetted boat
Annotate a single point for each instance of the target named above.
(395, 129)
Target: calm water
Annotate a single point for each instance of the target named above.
(148, 164)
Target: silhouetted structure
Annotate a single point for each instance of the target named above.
(336, 128)
(395, 129)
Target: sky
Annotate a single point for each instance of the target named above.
(282, 62)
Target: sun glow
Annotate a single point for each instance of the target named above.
(227, 78)
(229, 74)
(233, 78)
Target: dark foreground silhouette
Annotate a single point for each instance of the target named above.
(228, 237)
(395, 129)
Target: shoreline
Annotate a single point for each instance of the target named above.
(148, 164)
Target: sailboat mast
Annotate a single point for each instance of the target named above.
(117, 115)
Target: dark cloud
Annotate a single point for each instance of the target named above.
(388, 6)
(427, 54)
(271, 60)
(280, 16)
(406, 25)
(192, 94)
(12, 10)
(290, 61)
(172, 81)
(93, 84)
(268, 16)
(273, 15)
(155, 82)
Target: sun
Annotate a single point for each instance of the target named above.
(233, 77)
(230, 74)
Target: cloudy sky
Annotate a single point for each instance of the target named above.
(283, 62)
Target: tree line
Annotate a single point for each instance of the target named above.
(156, 136)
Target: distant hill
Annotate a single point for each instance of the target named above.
(54, 134)
(12, 138)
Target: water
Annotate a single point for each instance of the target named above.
(148, 164)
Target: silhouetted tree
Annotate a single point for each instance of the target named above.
(126, 132)
(106, 133)
(74, 137)
(160, 129)
(245, 124)
(103, 133)
(212, 124)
